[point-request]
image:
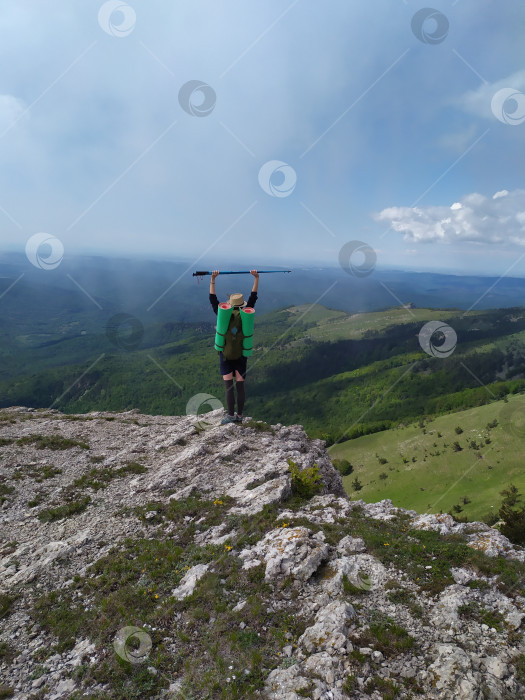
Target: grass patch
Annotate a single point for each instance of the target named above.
(385, 635)
(6, 603)
(37, 500)
(5, 490)
(474, 611)
(51, 442)
(100, 478)
(519, 662)
(7, 652)
(388, 689)
(6, 441)
(37, 472)
(65, 510)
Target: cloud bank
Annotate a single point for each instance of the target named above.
(496, 219)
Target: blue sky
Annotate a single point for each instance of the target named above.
(413, 145)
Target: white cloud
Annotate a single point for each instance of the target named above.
(496, 219)
(479, 101)
(11, 110)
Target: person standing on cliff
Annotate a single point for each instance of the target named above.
(229, 367)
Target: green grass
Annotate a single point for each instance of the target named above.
(7, 601)
(99, 478)
(51, 442)
(37, 472)
(337, 325)
(64, 510)
(429, 482)
(5, 491)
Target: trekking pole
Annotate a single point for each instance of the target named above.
(200, 273)
(203, 273)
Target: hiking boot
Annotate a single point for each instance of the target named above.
(238, 418)
(228, 419)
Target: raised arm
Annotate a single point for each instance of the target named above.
(256, 280)
(212, 281)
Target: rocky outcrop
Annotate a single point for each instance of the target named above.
(370, 621)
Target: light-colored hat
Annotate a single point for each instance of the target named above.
(237, 300)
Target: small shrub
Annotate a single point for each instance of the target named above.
(458, 430)
(305, 482)
(456, 447)
(356, 484)
(343, 466)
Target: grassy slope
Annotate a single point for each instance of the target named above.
(339, 325)
(450, 475)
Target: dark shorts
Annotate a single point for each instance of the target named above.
(228, 366)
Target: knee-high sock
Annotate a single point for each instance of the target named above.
(240, 397)
(230, 398)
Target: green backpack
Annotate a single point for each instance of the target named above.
(234, 337)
